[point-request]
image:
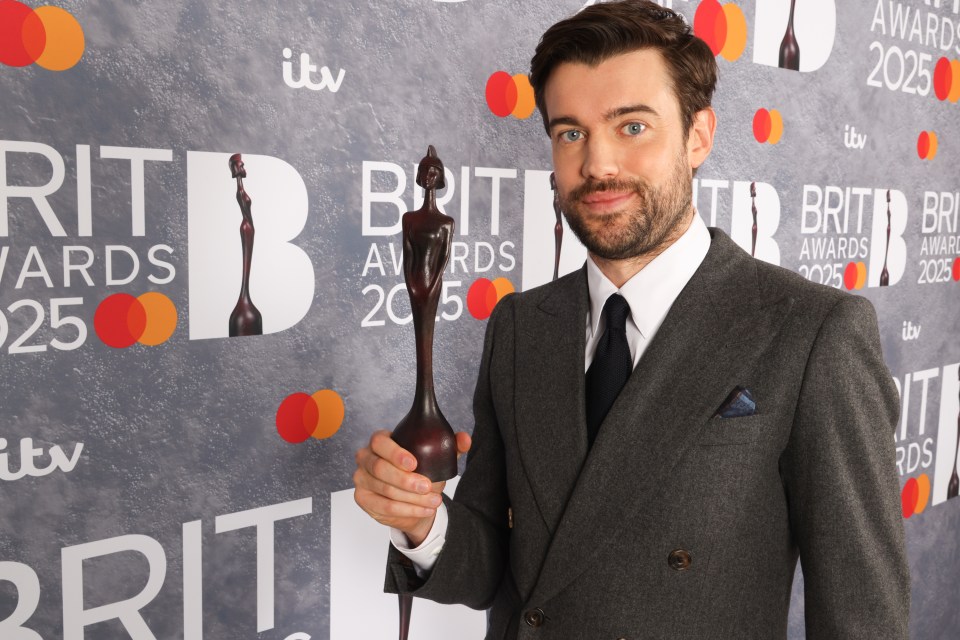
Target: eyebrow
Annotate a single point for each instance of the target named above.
(609, 115)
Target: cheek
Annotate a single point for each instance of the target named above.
(566, 166)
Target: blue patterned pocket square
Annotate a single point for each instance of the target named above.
(738, 404)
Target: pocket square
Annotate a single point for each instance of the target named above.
(738, 404)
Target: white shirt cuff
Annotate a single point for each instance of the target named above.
(424, 556)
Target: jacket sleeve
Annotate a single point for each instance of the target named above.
(839, 473)
(471, 565)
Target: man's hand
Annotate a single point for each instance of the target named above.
(391, 493)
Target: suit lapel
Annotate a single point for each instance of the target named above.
(550, 410)
(716, 328)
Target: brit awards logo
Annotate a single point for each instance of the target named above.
(853, 236)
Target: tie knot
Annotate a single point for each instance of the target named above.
(617, 311)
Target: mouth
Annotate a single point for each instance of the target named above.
(606, 201)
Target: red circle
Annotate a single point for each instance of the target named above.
(850, 276)
(119, 320)
(923, 145)
(942, 78)
(909, 496)
(956, 269)
(479, 298)
(19, 34)
(292, 413)
(762, 124)
(710, 25)
(501, 94)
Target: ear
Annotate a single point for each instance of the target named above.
(700, 138)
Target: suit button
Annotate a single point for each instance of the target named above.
(534, 617)
(679, 560)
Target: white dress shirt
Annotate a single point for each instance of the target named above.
(650, 294)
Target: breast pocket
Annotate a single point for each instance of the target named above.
(723, 431)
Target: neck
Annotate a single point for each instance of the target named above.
(620, 271)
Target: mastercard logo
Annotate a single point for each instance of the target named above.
(47, 36)
(767, 126)
(915, 495)
(855, 275)
(122, 320)
(510, 95)
(946, 79)
(927, 145)
(484, 295)
(301, 416)
(722, 27)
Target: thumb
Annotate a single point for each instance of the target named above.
(463, 443)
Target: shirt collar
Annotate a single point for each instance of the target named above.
(653, 290)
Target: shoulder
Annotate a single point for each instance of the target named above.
(812, 301)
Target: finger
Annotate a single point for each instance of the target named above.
(464, 442)
(383, 470)
(383, 445)
(363, 480)
(383, 509)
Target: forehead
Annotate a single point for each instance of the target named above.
(578, 90)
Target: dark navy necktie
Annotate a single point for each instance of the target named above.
(611, 366)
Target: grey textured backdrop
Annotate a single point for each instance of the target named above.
(184, 431)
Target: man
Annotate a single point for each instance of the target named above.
(754, 425)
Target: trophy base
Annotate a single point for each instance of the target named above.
(432, 443)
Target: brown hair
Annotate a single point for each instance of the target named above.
(605, 30)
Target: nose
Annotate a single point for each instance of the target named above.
(601, 161)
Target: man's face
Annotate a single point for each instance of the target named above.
(621, 157)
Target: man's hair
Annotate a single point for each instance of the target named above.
(605, 30)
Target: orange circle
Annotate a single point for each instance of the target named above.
(65, 42)
(776, 126)
(525, 101)
(502, 287)
(330, 412)
(923, 493)
(736, 40)
(932, 152)
(161, 318)
(861, 275)
(954, 94)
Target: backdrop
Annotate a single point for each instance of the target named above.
(160, 479)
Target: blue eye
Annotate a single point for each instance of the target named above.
(633, 129)
(571, 135)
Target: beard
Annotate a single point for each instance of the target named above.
(634, 232)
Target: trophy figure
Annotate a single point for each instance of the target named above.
(953, 488)
(789, 49)
(245, 319)
(427, 237)
(558, 227)
(753, 208)
(424, 432)
(885, 274)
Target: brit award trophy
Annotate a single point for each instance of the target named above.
(953, 487)
(424, 432)
(557, 228)
(427, 237)
(245, 319)
(885, 274)
(789, 49)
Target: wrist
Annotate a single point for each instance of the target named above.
(418, 534)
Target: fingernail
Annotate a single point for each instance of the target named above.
(409, 463)
(423, 487)
(435, 500)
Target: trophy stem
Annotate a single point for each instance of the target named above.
(406, 608)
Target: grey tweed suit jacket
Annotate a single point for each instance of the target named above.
(811, 474)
